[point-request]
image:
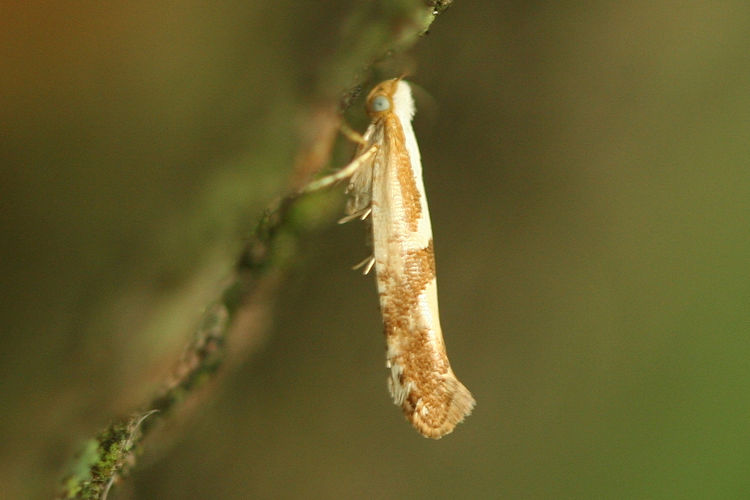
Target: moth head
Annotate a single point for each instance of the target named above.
(380, 99)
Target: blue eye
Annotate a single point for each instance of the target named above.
(380, 103)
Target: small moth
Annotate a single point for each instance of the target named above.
(386, 184)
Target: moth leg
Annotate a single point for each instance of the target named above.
(359, 214)
(344, 173)
(352, 134)
(367, 264)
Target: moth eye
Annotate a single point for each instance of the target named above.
(380, 103)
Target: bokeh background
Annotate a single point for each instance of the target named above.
(587, 168)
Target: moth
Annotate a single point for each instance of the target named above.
(386, 185)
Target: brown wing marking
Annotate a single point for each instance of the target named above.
(434, 401)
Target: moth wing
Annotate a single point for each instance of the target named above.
(360, 184)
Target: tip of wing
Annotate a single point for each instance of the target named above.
(435, 422)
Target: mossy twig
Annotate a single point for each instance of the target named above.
(241, 313)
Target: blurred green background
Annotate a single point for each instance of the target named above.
(587, 168)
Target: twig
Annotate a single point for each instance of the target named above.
(240, 315)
